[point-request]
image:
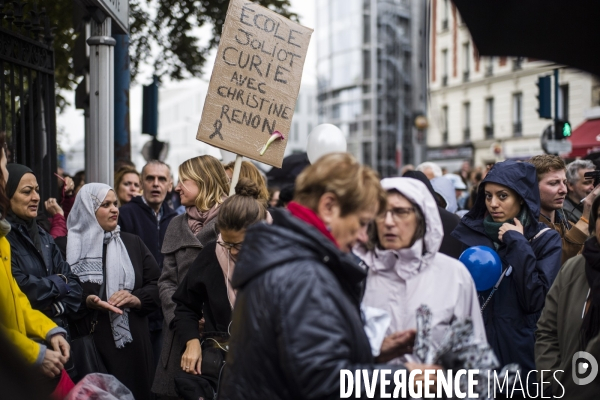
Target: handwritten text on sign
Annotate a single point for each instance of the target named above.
(255, 82)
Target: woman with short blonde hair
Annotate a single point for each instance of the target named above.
(203, 187)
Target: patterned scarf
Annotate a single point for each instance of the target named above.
(197, 219)
(84, 253)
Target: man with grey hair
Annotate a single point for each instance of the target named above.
(431, 170)
(579, 187)
(148, 216)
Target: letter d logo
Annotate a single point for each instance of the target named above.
(580, 367)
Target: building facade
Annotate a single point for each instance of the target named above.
(304, 120)
(371, 64)
(484, 109)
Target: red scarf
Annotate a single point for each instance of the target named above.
(310, 217)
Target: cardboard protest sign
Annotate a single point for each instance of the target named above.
(254, 83)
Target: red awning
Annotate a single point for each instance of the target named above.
(585, 139)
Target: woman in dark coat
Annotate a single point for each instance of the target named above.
(37, 264)
(206, 291)
(95, 243)
(297, 319)
(505, 218)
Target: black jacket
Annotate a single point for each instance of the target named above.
(296, 320)
(138, 218)
(202, 293)
(36, 273)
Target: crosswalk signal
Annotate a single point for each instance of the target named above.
(562, 130)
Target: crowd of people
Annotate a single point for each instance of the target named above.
(186, 291)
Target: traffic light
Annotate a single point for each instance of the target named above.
(562, 130)
(545, 97)
(150, 108)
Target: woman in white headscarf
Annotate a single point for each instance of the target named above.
(406, 270)
(95, 243)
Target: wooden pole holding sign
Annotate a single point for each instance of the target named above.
(236, 174)
(255, 83)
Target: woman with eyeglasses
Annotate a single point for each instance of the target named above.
(505, 218)
(406, 270)
(206, 291)
(570, 322)
(203, 188)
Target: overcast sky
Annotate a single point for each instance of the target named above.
(71, 121)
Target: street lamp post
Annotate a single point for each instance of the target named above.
(99, 160)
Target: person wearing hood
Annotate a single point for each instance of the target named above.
(450, 246)
(406, 269)
(445, 189)
(505, 218)
(297, 319)
(37, 263)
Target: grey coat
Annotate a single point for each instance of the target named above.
(180, 248)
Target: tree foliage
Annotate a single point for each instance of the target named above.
(162, 34)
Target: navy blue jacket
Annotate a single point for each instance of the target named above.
(138, 218)
(511, 316)
(37, 273)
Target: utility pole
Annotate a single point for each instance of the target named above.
(99, 152)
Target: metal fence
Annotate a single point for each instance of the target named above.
(27, 92)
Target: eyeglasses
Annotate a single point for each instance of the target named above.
(230, 246)
(398, 214)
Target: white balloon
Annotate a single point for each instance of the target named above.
(325, 139)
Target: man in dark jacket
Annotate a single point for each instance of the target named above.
(450, 245)
(148, 216)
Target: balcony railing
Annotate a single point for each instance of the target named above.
(445, 25)
(467, 134)
(489, 132)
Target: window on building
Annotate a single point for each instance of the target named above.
(563, 102)
(367, 149)
(489, 66)
(489, 118)
(467, 61)
(446, 15)
(445, 125)
(445, 67)
(517, 114)
(298, 101)
(467, 122)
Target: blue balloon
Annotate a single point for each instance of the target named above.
(484, 264)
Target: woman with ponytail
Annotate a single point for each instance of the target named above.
(570, 322)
